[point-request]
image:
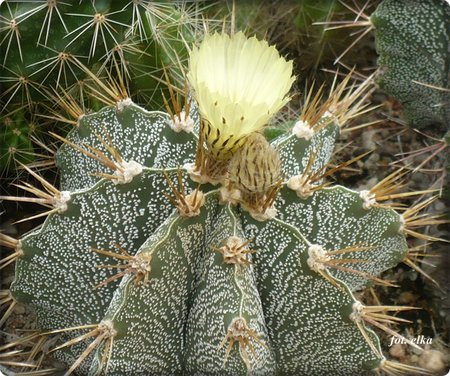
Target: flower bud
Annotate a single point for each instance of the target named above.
(256, 166)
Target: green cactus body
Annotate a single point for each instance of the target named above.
(343, 210)
(16, 145)
(211, 292)
(51, 45)
(103, 28)
(281, 265)
(296, 152)
(133, 131)
(412, 39)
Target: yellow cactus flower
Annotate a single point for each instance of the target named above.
(239, 84)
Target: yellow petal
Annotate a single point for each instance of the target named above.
(239, 83)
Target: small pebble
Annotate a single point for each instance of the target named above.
(367, 139)
(440, 206)
(397, 351)
(406, 297)
(19, 309)
(432, 360)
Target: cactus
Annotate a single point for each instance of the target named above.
(137, 38)
(176, 245)
(16, 142)
(412, 39)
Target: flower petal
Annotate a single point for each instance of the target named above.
(239, 83)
